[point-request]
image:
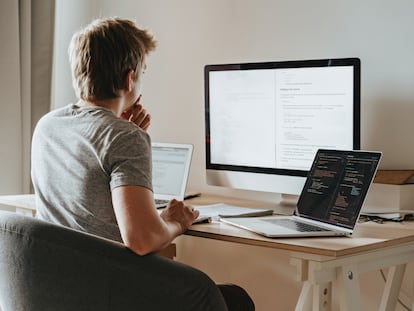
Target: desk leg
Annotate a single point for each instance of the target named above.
(392, 288)
(302, 275)
(319, 277)
(348, 285)
(170, 251)
(322, 296)
(316, 293)
(305, 298)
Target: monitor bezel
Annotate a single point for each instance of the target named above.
(354, 62)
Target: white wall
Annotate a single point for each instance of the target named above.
(194, 33)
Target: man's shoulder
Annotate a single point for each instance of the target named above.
(56, 113)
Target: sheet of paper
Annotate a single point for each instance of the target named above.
(218, 210)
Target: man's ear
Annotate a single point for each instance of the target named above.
(129, 78)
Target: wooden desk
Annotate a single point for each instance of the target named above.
(322, 264)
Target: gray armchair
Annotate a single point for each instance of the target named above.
(48, 267)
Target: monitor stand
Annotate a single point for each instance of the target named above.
(287, 204)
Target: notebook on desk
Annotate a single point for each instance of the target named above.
(331, 199)
(170, 169)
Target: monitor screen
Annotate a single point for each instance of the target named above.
(265, 121)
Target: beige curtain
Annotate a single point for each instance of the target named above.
(26, 34)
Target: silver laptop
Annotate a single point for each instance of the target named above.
(170, 169)
(331, 199)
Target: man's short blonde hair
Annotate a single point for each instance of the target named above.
(103, 53)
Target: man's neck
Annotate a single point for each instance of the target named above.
(114, 105)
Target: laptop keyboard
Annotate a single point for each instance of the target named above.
(161, 203)
(295, 225)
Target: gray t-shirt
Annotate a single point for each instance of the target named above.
(78, 156)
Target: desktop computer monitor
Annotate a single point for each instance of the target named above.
(265, 121)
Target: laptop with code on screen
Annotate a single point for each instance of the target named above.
(170, 169)
(331, 199)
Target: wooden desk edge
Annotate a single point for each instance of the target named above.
(283, 244)
(26, 201)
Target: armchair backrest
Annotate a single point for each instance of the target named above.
(44, 267)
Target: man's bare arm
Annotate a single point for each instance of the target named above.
(142, 229)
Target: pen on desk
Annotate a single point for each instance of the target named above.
(202, 220)
(191, 196)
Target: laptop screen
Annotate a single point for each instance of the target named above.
(337, 185)
(170, 167)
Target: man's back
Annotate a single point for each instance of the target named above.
(78, 156)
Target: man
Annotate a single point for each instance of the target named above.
(91, 161)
